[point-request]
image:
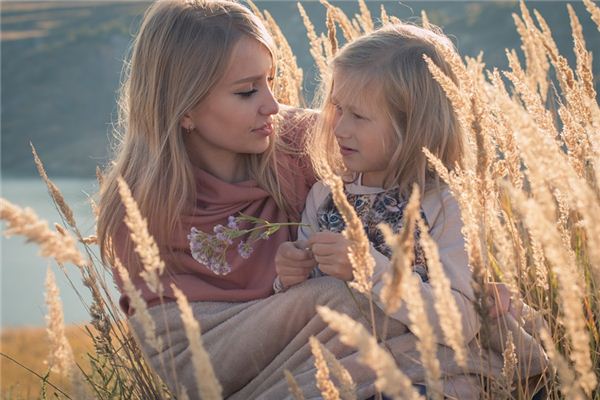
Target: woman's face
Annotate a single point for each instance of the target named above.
(236, 116)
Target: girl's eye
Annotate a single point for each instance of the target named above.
(355, 115)
(248, 93)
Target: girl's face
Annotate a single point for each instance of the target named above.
(362, 129)
(235, 118)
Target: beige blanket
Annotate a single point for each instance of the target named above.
(252, 343)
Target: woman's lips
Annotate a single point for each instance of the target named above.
(265, 130)
(346, 151)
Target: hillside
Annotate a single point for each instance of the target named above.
(61, 63)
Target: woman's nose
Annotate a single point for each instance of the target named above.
(270, 106)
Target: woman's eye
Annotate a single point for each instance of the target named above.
(248, 93)
(357, 116)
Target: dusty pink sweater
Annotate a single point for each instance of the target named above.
(216, 200)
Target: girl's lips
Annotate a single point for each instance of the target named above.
(265, 130)
(346, 151)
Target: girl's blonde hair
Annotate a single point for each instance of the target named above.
(181, 51)
(386, 67)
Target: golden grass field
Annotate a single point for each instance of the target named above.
(30, 347)
(529, 195)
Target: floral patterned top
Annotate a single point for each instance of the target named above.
(372, 209)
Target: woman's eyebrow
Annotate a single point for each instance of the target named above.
(248, 79)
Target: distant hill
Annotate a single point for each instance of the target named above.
(61, 63)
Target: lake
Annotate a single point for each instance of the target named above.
(23, 271)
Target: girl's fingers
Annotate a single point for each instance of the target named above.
(324, 237)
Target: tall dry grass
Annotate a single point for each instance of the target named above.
(529, 195)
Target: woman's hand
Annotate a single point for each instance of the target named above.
(330, 250)
(293, 263)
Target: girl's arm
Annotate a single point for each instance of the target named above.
(445, 224)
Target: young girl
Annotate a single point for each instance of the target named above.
(380, 109)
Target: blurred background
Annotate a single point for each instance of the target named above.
(60, 72)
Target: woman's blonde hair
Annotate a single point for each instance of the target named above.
(180, 52)
(386, 67)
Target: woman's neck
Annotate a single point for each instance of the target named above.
(229, 168)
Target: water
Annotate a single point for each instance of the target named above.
(23, 271)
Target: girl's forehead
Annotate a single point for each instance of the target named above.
(356, 88)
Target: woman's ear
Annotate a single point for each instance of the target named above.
(186, 122)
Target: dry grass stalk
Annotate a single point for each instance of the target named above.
(295, 390)
(403, 256)
(531, 99)
(54, 191)
(140, 307)
(503, 250)
(324, 382)
(359, 253)
(505, 138)
(445, 304)
(539, 263)
(425, 20)
(331, 32)
(574, 137)
(288, 84)
(347, 387)
(365, 19)
(583, 57)
(546, 33)
(594, 11)
(349, 32)
(421, 328)
(61, 359)
(385, 19)
(145, 246)
(89, 240)
(316, 48)
(568, 380)
(537, 65)
(208, 386)
(99, 316)
(453, 92)
(569, 285)
(25, 222)
(503, 388)
(390, 379)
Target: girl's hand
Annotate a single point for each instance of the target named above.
(293, 263)
(330, 250)
(500, 302)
